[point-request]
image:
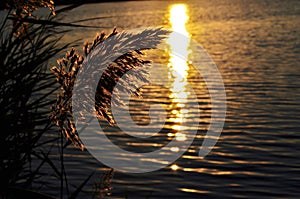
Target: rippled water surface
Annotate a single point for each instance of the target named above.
(256, 46)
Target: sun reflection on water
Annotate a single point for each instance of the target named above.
(178, 66)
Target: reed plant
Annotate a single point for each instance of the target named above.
(27, 43)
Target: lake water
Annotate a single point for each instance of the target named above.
(256, 46)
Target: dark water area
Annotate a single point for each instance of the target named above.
(256, 46)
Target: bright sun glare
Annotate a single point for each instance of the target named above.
(178, 18)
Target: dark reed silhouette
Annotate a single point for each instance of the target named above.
(27, 43)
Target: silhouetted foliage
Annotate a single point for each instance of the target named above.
(25, 89)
